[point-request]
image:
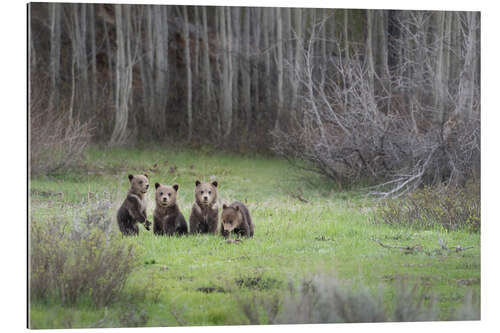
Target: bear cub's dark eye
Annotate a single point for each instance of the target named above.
(161, 193)
(201, 192)
(209, 192)
(169, 194)
(140, 182)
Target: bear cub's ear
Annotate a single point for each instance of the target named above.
(224, 206)
(237, 208)
(214, 184)
(197, 183)
(130, 177)
(176, 187)
(157, 185)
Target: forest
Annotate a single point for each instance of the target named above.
(381, 94)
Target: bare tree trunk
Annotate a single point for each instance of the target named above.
(93, 59)
(440, 68)
(123, 76)
(468, 74)
(289, 53)
(298, 58)
(347, 53)
(245, 70)
(147, 67)
(279, 36)
(346, 34)
(257, 15)
(109, 56)
(161, 69)
(220, 67)
(369, 47)
(187, 58)
(324, 35)
(207, 86)
(81, 58)
(225, 21)
(384, 73)
(196, 66)
(236, 55)
(55, 51)
(267, 57)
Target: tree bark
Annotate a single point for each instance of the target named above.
(55, 51)
(189, 84)
(245, 70)
(279, 37)
(123, 76)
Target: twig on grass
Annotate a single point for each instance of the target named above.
(298, 197)
(407, 249)
(457, 248)
(415, 248)
(178, 319)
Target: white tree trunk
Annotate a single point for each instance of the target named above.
(279, 37)
(207, 86)
(93, 59)
(55, 52)
(246, 89)
(468, 74)
(189, 87)
(298, 58)
(123, 76)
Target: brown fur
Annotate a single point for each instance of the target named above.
(236, 219)
(133, 208)
(167, 217)
(205, 212)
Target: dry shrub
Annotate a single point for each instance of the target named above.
(56, 142)
(86, 259)
(355, 124)
(452, 208)
(323, 299)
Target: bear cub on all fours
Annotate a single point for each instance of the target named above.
(205, 212)
(167, 217)
(236, 219)
(133, 208)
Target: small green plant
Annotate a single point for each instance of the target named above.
(85, 260)
(453, 208)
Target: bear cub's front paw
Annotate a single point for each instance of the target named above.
(147, 225)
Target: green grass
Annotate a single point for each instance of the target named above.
(194, 280)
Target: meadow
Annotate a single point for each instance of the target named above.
(304, 227)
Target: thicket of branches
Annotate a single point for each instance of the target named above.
(403, 123)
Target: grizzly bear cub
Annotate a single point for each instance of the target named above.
(167, 217)
(205, 212)
(133, 208)
(236, 218)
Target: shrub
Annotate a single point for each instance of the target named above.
(56, 142)
(323, 300)
(451, 208)
(86, 259)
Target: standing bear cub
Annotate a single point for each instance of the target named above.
(133, 208)
(205, 212)
(167, 217)
(236, 218)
